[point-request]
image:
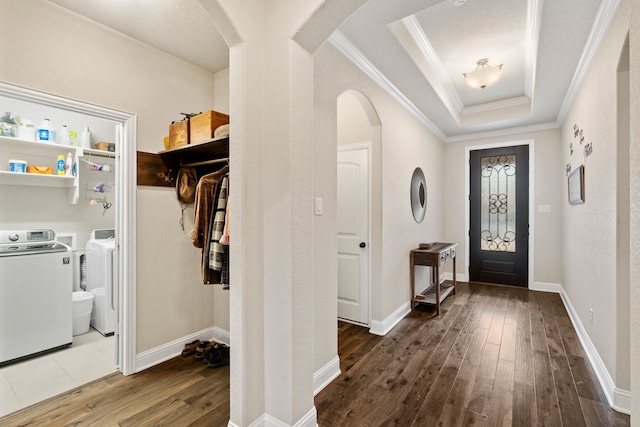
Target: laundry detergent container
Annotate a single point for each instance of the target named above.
(82, 305)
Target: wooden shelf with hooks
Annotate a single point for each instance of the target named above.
(160, 169)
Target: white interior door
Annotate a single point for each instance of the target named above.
(353, 234)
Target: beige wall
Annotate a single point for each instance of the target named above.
(634, 73)
(353, 123)
(590, 249)
(547, 253)
(50, 49)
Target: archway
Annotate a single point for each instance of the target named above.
(623, 227)
(358, 126)
(271, 171)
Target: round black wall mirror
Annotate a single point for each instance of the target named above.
(418, 195)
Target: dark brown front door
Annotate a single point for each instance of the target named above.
(499, 209)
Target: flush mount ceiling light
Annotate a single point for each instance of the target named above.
(457, 2)
(484, 75)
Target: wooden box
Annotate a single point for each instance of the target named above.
(179, 134)
(202, 126)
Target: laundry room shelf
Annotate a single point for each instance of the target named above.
(42, 154)
(34, 179)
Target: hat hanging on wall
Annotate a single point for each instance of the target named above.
(186, 182)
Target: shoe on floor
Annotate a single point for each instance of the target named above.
(190, 348)
(200, 349)
(218, 356)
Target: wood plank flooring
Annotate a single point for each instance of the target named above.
(496, 356)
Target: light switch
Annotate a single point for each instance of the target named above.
(318, 208)
(544, 208)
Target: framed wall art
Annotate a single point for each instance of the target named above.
(576, 186)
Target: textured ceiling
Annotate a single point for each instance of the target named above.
(417, 50)
(179, 27)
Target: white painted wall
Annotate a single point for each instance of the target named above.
(56, 51)
(405, 144)
(548, 226)
(589, 230)
(353, 124)
(634, 78)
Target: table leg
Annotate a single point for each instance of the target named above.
(437, 268)
(454, 275)
(413, 279)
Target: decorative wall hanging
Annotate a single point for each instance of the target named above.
(578, 135)
(588, 149)
(576, 186)
(418, 195)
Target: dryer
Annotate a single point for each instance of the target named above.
(102, 280)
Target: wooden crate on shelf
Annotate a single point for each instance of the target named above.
(203, 125)
(179, 134)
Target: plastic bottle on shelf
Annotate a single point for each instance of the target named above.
(73, 138)
(27, 130)
(68, 165)
(46, 132)
(85, 140)
(65, 138)
(60, 164)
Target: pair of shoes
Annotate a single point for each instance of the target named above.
(190, 348)
(201, 348)
(218, 356)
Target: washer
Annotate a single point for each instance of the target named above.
(36, 281)
(101, 280)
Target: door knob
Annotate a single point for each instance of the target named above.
(363, 245)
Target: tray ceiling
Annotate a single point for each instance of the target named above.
(417, 50)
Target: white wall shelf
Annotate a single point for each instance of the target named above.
(34, 179)
(42, 154)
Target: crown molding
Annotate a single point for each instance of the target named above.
(420, 38)
(351, 52)
(532, 36)
(605, 15)
(503, 132)
(496, 105)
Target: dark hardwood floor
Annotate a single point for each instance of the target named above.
(496, 356)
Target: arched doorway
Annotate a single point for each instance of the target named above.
(358, 138)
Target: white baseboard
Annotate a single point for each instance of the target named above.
(459, 277)
(323, 376)
(220, 335)
(167, 351)
(383, 327)
(310, 419)
(618, 399)
(547, 287)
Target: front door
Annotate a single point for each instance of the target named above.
(499, 222)
(353, 231)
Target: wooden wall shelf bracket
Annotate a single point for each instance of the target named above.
(160, 169)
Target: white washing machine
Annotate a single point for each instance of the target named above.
(35, 294)
(102, 280)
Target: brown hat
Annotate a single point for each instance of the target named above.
(186, 182)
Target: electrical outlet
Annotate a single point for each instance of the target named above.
(591, 316)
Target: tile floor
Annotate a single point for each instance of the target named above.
(24, 383)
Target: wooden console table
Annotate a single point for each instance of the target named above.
(433, 255)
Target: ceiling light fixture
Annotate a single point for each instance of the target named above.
(484, 75)
(457, 2)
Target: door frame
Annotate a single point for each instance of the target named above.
(368, 147)
(125, 216)
(467, 203)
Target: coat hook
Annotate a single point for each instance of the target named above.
(168, 178)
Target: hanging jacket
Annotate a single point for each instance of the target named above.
(204, 203)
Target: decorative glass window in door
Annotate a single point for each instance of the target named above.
(498, 204)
